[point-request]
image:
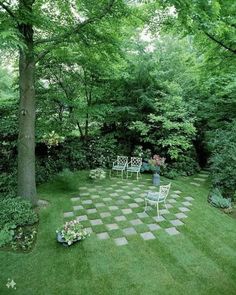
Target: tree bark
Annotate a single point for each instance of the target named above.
(26, 136)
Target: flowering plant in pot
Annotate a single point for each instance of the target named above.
(98, 173)
(71, 232)
(154, 164)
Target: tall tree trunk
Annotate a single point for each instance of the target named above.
(26, 137)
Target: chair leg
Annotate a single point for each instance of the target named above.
(110, 173)
(158, 215)
(145, 205)
(165, 205)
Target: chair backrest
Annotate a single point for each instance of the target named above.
(136, 162)
(164, 191)
(122, 160)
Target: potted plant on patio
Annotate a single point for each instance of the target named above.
(155, 165)
(71, 232)
(97, 173)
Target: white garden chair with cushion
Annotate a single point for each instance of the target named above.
(134, 166)
(155, 198)
(119, 165)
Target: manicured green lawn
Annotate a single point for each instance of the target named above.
(199, 260)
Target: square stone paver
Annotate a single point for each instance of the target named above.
(92, 190)
(120, 241)
(107, 199)
(132, 193)
(136, 189)
(189, 198)
(105, 214)
(181, 215)
(133, 205)
(125, 197)
(96, 221)
(68, 214)
(153, 226)
(108, 188)
(114, 195)
(112, 226)
(175, 196)
(120, 202)
(103, 236)
(76, 208)
(120, 218)
(129, 231)
(95, 197)
(203, 175)
(176, 222)
(164, 211)
(199, 179)
(159, 219)
(147, 236)
(99, 205)
(90, 211)
(169, 206)
(75, 199)
(143, 195)
(83, 187)
(84, 194)
(82, 217)
(172, 231)
(119, 190)
(177, 192)
(183, 209)
(139, 200)
(113, 208)
(187, 203)
(136, 222)
(126, 211)
(87, 202)
(142, 215)
(195, 183)
(89, 230)
(171, 201)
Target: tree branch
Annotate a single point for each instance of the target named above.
(61, 38)
(219, 42)
(8, 10)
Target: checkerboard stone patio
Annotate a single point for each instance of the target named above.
(118, 210)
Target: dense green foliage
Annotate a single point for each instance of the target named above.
(16, 211)
(160, 74)
(217, 200)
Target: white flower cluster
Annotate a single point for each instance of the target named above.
(98, 173)
(72, 231)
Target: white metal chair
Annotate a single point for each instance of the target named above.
(119, 165)
(155, 198)
(134, 166)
